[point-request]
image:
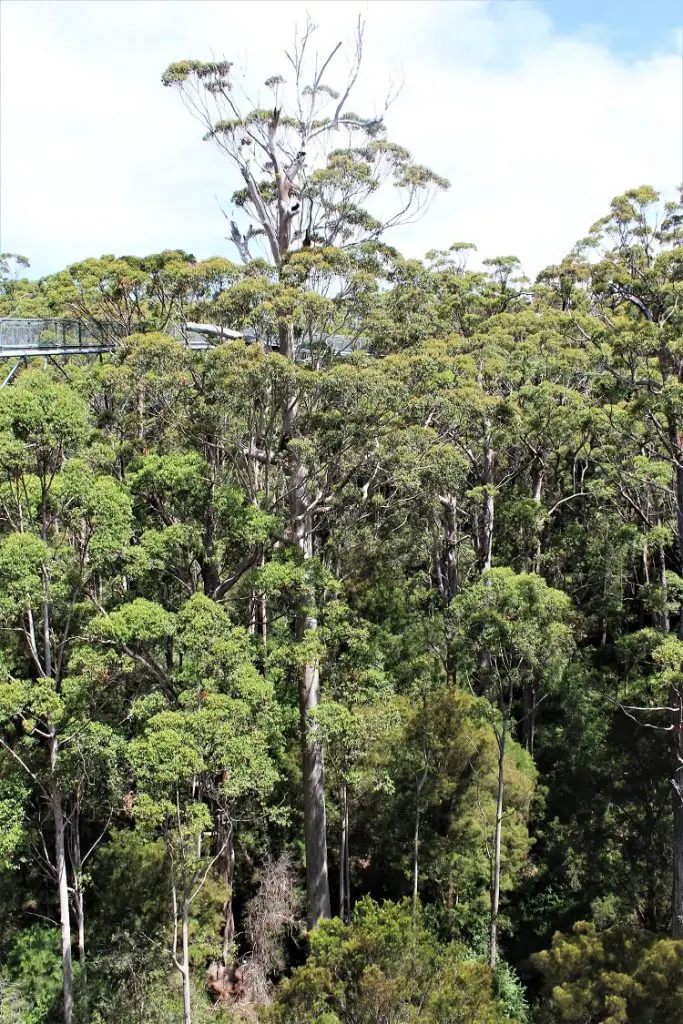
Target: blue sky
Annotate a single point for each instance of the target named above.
(631, 28)
(538, 111)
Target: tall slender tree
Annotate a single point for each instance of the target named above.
(309, 168)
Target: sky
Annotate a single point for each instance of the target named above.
(537, 111)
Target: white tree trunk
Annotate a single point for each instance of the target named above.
(495, 875)
(63, 889)
(315, 830)
(187, 1006)
(228, 872)
(344, 870)
(677, 806)
(488, 511)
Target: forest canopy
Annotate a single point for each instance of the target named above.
(341, 663)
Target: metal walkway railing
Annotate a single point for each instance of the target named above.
(24, 338)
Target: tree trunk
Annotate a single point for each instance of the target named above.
(77, 875)
(677, 796)
(677, 802)
(342, 855)
(263, 616)
(665, 624)
(451, 546)
(209, 570)
(679, 530)
(486, 552)
(530, 706)
(141, 413)
(416, 837)
(495, 876)
(344, 872)
(317, 885)
(315, 835)
(182, 965)
(536, 493)
(347, 862)
(64, 912)
(47, 644)
(187, 1007)
(58, 812)
(47, 639)
(677, 898)
(228, 872)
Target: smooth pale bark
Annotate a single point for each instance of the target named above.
(141, 414)
(182, 965)
(416, 838)
(530, 707)
(344, 870)
(63, 889)
(484, 526)
(47, 643)
(677, 806)
(530, 687)
(187, 1007)
(342, 857)
(495, 874)
(486, 553)
(665, 623)
(677, 796)
(347, 862)
(262, 616)
(227, 867)
(536, 494)
(77, 875)
(450, 521)
(315, 831)
(57, 808)
(301, 530)
(678, 473)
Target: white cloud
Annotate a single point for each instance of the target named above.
(536, 130)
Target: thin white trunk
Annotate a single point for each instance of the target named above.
(537, 491)
(677, 715)
(347, 865)
(344, 871)
(677, 807)
(301, 528)
(495, 877)
(315, 831)
(489, 501)
(228, 872)
(63, 889)
(416, 838)
(187, 1006)
(77, 886)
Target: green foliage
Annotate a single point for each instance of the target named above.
(615, 976)
(518, 620)
(471, 529)
(14, 835)
(33, 965)
(386, 963)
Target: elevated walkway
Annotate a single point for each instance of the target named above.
(22, 338)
